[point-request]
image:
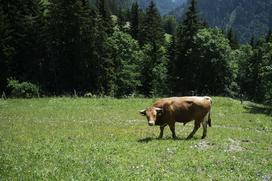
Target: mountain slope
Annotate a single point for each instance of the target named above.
(164, 6)
(246, 17)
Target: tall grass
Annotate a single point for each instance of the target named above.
(106, 139)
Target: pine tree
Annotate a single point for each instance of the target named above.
(121, 21)
(88, 51)
(269, 36)
(71, 46)
(170, 24)
(252, 41)
(191, 23)
(151, 38)
(105, 66)
(151, 27)
(134, 21)
(256, 82)
(18, 21)
(186, 57)
(171, 53)
(104, 14)
(232, 39)
(6, 50)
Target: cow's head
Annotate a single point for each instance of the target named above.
(151, 113)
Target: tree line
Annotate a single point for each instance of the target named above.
(63, 46)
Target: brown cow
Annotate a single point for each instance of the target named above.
(168, 111)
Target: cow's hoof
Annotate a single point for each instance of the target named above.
(203, 137)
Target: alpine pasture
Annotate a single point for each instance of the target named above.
(107, 139)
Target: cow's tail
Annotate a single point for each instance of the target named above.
(209, 113)
(209, 119)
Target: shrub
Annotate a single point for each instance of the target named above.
(23, 89)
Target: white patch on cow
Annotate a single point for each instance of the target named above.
(200, 98)
(208, 98)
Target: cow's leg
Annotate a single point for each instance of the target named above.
(161, 133)
(172, 128)
(204, 125)
(197, 125)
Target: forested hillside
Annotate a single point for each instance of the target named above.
(164, 6)
(247, 18)
(66, 47)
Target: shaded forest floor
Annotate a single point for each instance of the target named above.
(106, 139)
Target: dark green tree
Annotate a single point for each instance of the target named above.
(171, 53)
(269, 36)
(105, 15)
(122, 21)
(214, 73)
(232, 39)
(151, 30)
(134, 21)
(170, 24)
(252, 41)
(186, 59)
(18, 40)
(72, 56)
(151, 38)
(127, 58)
(6, 50)
(255, 82)
(154, 71)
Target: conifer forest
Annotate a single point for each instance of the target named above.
(66, 47)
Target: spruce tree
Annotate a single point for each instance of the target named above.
(71, 49)
(134, 21)
(88, 50)
(232, 39)
(269, 36)
(121, 21)
(252, 41)
(151, 38)
(18, 37)
(105, 15)
(105, 66)
(171, 53)
(170, 24)
(184, 75)
(5, 50)
(256, 82)
(151, 28)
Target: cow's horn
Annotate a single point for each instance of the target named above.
(158, 109)
(142, 111)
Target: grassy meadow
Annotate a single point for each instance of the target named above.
(106, 139)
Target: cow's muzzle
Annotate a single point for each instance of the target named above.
(151, 123)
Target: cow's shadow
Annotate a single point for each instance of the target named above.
(146, 140)
(149, 139)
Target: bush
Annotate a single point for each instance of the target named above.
(22, 90)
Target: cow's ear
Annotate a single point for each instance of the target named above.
(142, 112)
(159, 111)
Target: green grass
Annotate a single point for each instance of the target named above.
(106, 139)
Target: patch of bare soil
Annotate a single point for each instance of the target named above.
(203, 145)
(234, 146)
